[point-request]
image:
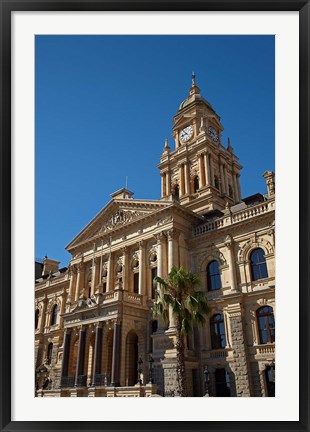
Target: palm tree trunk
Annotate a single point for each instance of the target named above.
(180, 347)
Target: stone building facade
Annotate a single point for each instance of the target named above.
(94, 330)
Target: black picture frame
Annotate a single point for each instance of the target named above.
(9, 6)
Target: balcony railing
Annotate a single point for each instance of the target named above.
(233, 218)
(102, 380)
(67, 382)
(81, 381)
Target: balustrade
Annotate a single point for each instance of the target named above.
(239, 216)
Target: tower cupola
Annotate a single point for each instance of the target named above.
(200, 172)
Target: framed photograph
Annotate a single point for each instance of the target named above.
(155, 303)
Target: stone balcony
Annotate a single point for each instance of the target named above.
(263, 351)
(234, 218)
(122, 295)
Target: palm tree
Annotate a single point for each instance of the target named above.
(189, 307)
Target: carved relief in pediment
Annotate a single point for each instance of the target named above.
(121, 217)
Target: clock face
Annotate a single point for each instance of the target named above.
(186, 133)
(213, 134)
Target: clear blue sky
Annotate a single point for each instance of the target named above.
(105, 104)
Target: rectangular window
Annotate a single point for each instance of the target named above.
(136, 283)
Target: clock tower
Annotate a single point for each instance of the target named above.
(200, 172)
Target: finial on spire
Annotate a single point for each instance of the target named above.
(193, 79)
(166, 148)
(229, 147)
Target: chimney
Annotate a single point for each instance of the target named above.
(49, 265)
(269, 177)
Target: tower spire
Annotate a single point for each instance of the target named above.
(194, 88)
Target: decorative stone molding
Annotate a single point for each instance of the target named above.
(135, 260)
(262, 302)
(120, 218)
(245, 250)
(173, 234)
(214, 254)
(160, 237)
(165, 220)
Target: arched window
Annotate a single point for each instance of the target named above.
(54, 315)
(258, 264)
(49, 353)
(213, 276)
(36, 318)
(217, 330)
(266, 324)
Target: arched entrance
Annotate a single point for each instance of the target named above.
(131, 358)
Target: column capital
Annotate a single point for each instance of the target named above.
(141, 244)
(80, 266)
(160, 237)
(124, 249)
(173, 234)
(228, 241)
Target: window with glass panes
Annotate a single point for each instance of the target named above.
(213, 276)
(258, 264)
(266, 325)
(217, 328)
(49, 353)
(54, 315)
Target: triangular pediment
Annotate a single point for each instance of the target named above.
(116, 214)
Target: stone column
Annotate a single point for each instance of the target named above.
(211, 169)
(181, 175)
(160, 237)
(81, 356)
(232, 269)
(207, 169)
(43, 318)
(163, 186)
(173, 248)
(110, 273)
(239, 366)
(125, 276)
(186, 178)
(226, 179)
(142, 267)
(202, 171)
(116, 355)
(237, 197)
(238, 186)
(168, 183)
(93, 276)
(79, 280)
(65, 355)
(97, 354)
(72, 282)
(223, 190)
(173, 260)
